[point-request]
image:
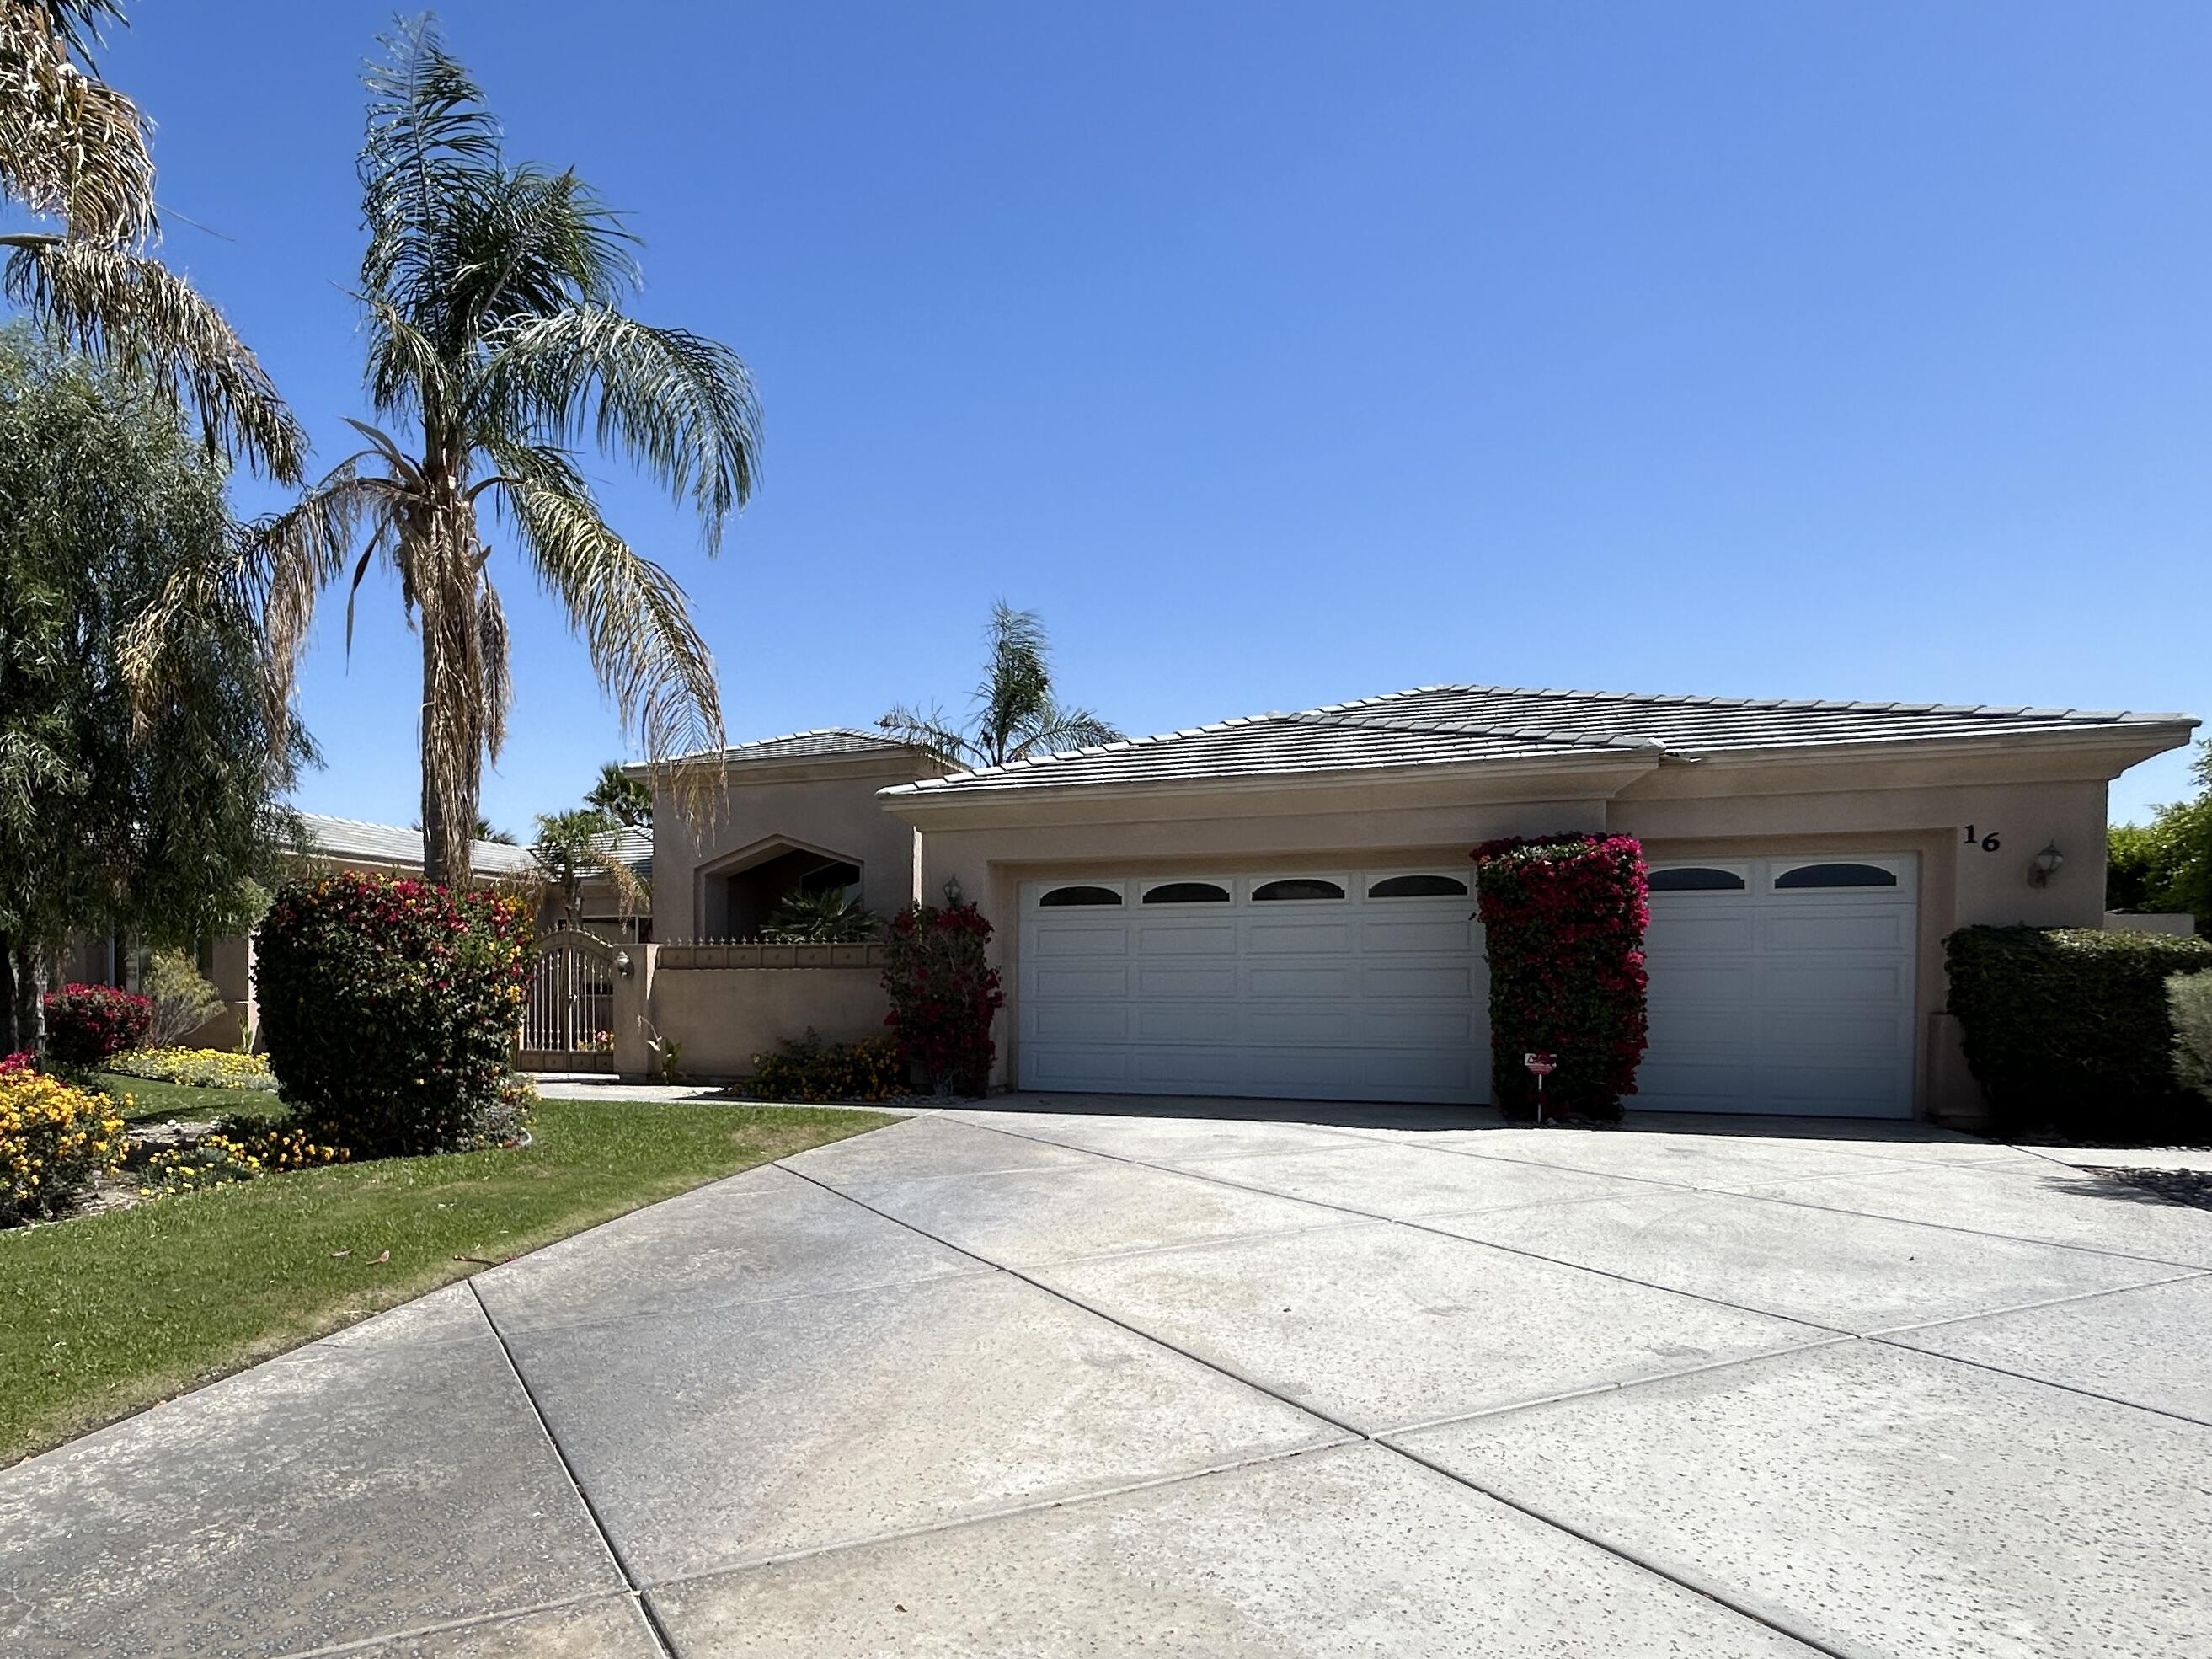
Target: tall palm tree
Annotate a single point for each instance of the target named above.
(493, 294)
(1017, 716)
(73, 150)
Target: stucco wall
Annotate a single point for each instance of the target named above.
(720, 1018)
(830, 806)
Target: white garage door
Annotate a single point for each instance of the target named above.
(1330, 986)
(1781, 985)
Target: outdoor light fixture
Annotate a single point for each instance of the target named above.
(621, 963)
(952, 889)
(2045, 865)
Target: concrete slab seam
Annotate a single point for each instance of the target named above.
(1973, 1233)
(591, 1510)
(367, 1643)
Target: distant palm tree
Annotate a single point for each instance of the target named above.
(73, 150)
(626, 799)
(1017, 717)
(496, 338)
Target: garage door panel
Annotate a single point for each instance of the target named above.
(1188, 980)
(1300, 938)
(1075, 1022)
(1053, 943)
(1187, 940)
(1673, 933)
(1441, 981)
(1824, 930)
(1078, 983)
(1314, 982)
(1786, 1002)
(1188, 1023)
(1444, 936)
(1295, 1025)
(1344, 998)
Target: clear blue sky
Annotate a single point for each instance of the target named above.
(1281, 354)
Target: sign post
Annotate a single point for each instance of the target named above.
(1541, 1064)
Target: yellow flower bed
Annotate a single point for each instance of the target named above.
(202, 1068)
(53, 1139)
(220, 1160)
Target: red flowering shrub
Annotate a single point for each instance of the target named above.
(86, 1024)
(944, 994)
(1564, 919)
(389, 1010)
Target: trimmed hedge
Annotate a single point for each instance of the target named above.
(2188, 1005)
(2069, 1028)
(389, 1009)
(1563, 919)
(944, 994)
(812, 1072)
(86, 1024)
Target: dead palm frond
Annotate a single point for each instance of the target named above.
(1017, 716)
(497, 345)
(75, 150)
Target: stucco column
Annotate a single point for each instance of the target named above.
(634, 1059)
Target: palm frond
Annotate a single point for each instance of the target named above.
(1053, 730)
(71, 145)
(680, 405)
(930, 731)
(630, 613)
(134, 311)
(1016, 681)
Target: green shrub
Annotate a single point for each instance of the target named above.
(2069, 1028)
(1563, 922)
(811, 1071)
(389, 1010)
(2189, 1006)
(182, 1000)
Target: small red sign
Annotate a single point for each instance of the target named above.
(1541, 1065)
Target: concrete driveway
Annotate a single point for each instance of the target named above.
(1337, 1381)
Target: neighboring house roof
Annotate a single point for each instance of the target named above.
(1438, 724)
(632, 846)
(384, 843)
(823, 741)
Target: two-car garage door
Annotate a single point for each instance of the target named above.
(1777, 985)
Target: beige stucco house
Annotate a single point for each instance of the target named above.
(1281, 906)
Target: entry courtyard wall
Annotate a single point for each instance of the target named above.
(721, 1005)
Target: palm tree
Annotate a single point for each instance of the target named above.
(1017, 717)
(574, 846)
(626, 799)
(73, 150)
(493, 295)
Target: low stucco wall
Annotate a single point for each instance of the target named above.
(720, 1018)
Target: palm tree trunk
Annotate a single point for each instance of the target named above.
(452, 751)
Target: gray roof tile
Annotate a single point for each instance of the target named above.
(384, 843)
(1438, 723)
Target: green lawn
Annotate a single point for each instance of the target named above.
(105, 1315)
(151, 1102)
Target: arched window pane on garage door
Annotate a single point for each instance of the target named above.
(1063, 895)
(1297, 887)
(1417, 887)
(1696, 878)
(1186, 892)
(1835, 875)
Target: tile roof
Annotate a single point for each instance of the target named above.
(384, 843)
(633, 847)
(795, 746)
(1437, 724)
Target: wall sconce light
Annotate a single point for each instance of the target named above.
(2045, 865)
(952, 889)
(623, 964)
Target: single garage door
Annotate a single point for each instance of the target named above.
(1332, 985)
(1781, 985)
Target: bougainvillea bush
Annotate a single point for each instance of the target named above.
(54, 1138)
(944, 993)
(389, 1009)
(1563, 918)
(86, 1024)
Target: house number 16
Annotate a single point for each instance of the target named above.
(1988, 843)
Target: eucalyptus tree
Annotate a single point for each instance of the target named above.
(1017, 715)
(74, 153)
(143, 803)
(493, 296)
